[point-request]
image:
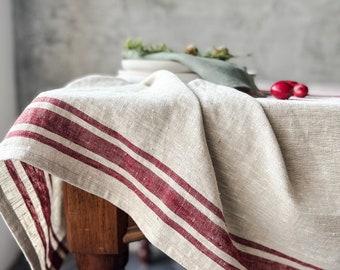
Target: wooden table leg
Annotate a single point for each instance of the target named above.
(95, 231)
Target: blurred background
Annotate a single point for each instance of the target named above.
(56, 41)
(46, 43)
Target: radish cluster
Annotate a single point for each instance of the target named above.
(286, 89)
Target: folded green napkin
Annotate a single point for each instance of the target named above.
(213, 70)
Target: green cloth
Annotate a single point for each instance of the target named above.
(213, 70)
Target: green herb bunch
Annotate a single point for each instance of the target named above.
(142, 48)
(220, 53)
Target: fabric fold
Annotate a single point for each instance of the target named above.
(216, 71)
(202, 163)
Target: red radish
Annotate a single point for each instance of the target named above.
(292, 83)
(282, 90)
(300, 90)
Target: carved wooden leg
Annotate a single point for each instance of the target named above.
(95, 231)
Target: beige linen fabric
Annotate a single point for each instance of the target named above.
(214, 178)
(277, 167)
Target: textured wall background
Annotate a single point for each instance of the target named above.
(60, 40)
(9, 249)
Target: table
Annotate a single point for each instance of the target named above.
(213, 177)
(98, 233)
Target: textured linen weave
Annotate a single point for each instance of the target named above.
(213, 177)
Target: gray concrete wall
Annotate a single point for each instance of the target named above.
(9, 249)
(60, 40)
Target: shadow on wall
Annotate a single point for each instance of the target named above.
(9, 250)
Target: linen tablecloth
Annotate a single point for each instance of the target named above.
(213, 177)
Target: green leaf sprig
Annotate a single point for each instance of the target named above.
(143, 48)
(220, 53)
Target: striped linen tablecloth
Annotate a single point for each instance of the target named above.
(213, 177)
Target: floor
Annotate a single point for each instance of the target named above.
(159, 261)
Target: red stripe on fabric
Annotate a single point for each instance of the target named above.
(56, 261)
(38, 181)
(254, 262)
(180, 181)
(245, 259)
(254, 245)
(233, 252)
(86, 160)
(174, 201)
